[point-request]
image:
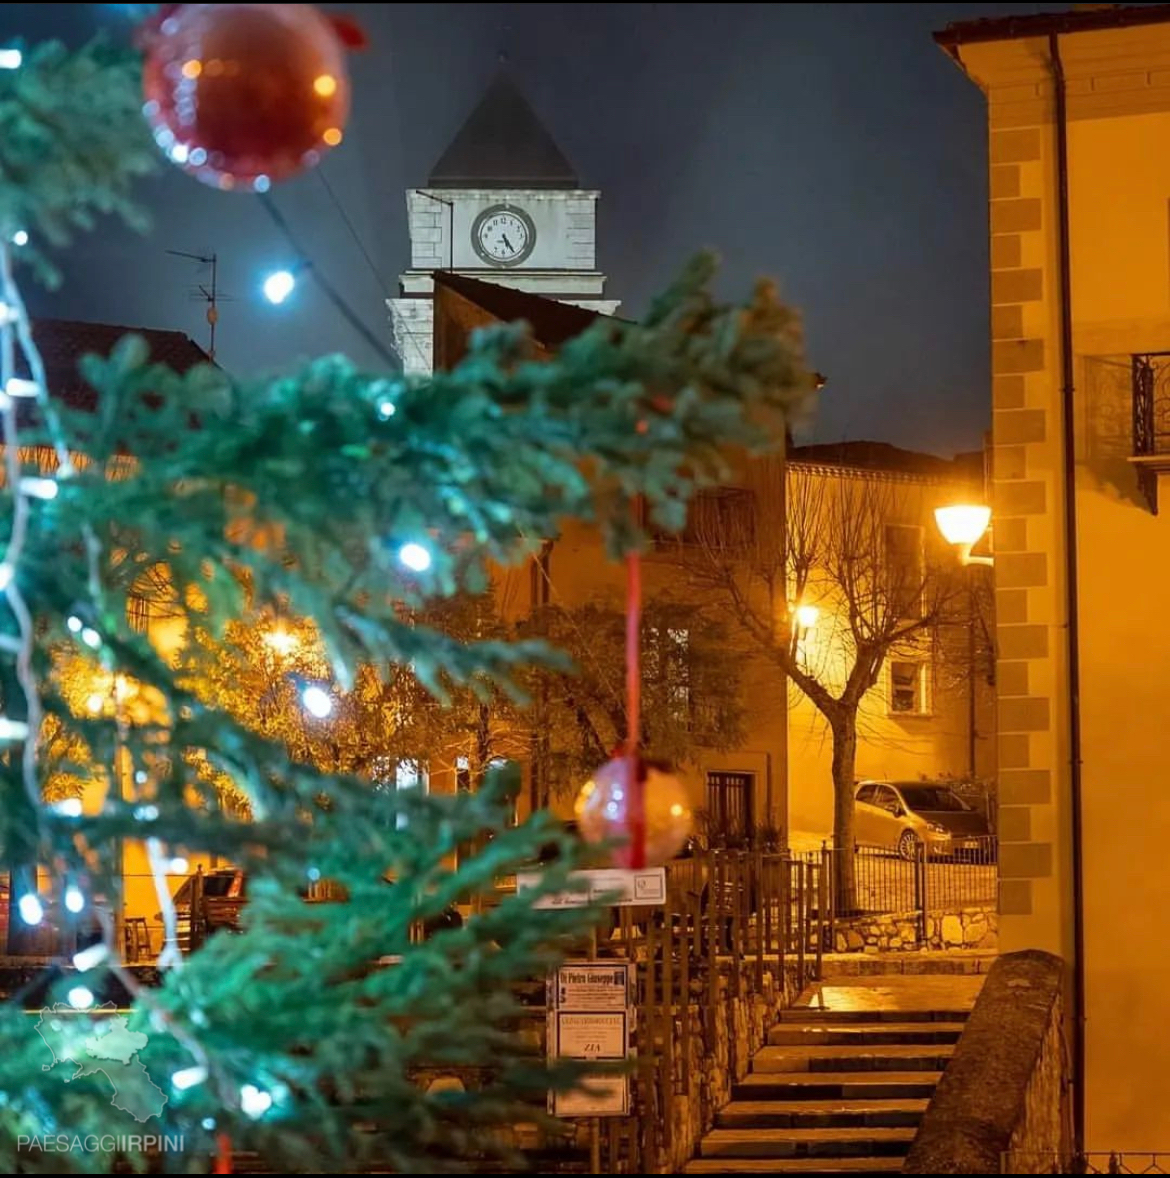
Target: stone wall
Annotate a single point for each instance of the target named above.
(1005, 1092)
(973, 927)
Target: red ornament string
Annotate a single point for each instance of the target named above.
(223, 1157)
(635, 780)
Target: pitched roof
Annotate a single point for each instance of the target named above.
(503, 144)
(881, 456)
(62, 343)
(1039, 24)
(552, 323)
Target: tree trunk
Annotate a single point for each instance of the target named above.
(844, 729)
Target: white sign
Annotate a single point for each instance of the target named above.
(591, 1036)
(621, 887)
(598, 1096)
(592, 986)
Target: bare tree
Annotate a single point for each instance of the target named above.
(858, 548)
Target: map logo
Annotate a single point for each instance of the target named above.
(81, 1047)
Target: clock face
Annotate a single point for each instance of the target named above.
(503, 235)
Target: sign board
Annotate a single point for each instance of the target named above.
(624, 888)
(590, 1016)
(598, 1096)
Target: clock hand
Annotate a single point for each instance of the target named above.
(507, 244)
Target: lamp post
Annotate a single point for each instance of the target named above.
(963, 525)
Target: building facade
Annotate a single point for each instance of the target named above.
(502, 204)
(1079, 178)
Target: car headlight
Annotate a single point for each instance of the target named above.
(936, 829)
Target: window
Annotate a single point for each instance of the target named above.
(718, 518)
(908, 688)
(904, 568)
(887, 799)
(866, 793)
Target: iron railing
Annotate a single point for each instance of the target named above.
(1020, 1162)
(1151, 416)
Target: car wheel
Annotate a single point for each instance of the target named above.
(908, 845)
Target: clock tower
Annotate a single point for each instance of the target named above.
(502, 205)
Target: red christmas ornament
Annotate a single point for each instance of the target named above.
(244, 95)
(606, 811)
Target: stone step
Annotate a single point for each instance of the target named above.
(817, 1114)
(794, 1086)
(880, 1165)
(871, 1033)
(818, 1014)
(806, 1143)
(899, 1058)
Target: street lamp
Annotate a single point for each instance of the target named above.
(963, 525)
(806, 616)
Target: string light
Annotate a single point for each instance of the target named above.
(279, 285)
(68, 807)
(386, 409)
(254, 1102)
(74, 624)
(317, 701)
(186, 1078)
(146, 813)
(415, 557)
(80, 997)
(85, 959)
(39, 488)
(95, 703)
(13, 729)
(17, 386)
(10, 58)
(20, 237)
(31, 910)
(74, 898)
(91, 637)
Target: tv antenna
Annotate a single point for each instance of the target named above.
(208, 293)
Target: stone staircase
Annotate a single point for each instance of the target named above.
(835, 1091)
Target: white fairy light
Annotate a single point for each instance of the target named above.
(85, 959)
(7, 572)
(10, 58)
(13, 729)
(186, 1078)
(95, 703)
(254, 1102)
(145, 813)
(20, 237)
(415, 557)
(386, 409)
(74, 624)
(318, 702)
(208, 1123)
(74, 898)
(141, 777)
(80, 997)
(39, 488)
(68, 807)
(91, 637)
(31, 910)
(17, 386)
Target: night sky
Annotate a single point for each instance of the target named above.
(832, 146)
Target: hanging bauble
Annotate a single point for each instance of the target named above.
(243, 95)
(603, 812)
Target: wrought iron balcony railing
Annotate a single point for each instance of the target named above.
(1151, 419)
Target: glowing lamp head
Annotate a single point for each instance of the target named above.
(80, 997)
(806, 616)
(963, 523)
(31, 910)
(279, 285)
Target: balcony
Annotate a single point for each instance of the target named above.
(1151, 421)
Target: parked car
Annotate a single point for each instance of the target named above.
(906, 814)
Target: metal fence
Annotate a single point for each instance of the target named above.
(730, 917)
(934, 879)
(1019, 1162)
